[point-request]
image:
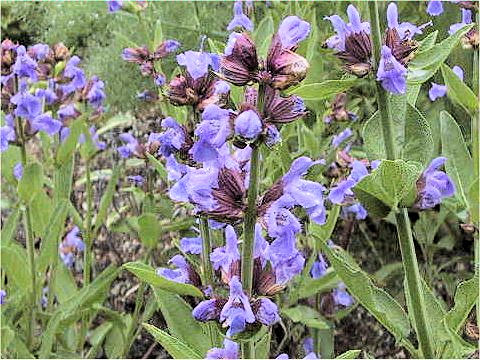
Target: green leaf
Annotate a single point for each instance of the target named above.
(107, 198)
(10, 226)
(158, 166)
(149, 229)
(459, 161)
(324, 90)
(31, 182)
(14, 263)
(41, 207)
(147, 273)
(426, 63)
(68, 146)
(7, 336)
(158, 34)
(459, 92)
(71, 310)
(350, 354)
(51, 238)
(325, 231)
(387, 186)
(307, 316)
(64, 286)
(412, 133)
(379, 303)
(262, 346)
(473, 199)
(263, 34)
(309, 286)
(465, 298)
(119, 120)
(178, 316)
(175, 347)
(63, 179)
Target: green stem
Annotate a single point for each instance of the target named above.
(88, 227)
(405, 238)
(476, 159)
(206, 250)
(248, 348)
(132, 329)
(30, 242)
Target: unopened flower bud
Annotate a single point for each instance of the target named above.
(208, 310)
(136, 55)
(287, 69)
(240, 63)
(266, 311)
(471, 39)
(60, 52)
(153, 147)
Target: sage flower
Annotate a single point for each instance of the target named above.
(239, 18)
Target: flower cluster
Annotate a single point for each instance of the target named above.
(71, 244)
(146, 60)
(44, 89)
(352, 44)
(208, 162)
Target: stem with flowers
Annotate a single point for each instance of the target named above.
(30, 246)
(248, 348)
(405, 238)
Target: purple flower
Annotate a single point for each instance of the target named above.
(391, 73)
(343, 30)
(137, 180)
(466, 19)
(292, 30)
(40, 51)
(304, 193)
(248, 124)
(260, 248)
(223, 257)
(3, 295)
(308, 345)
(173, 138)
(159, 79)
(197, 63)
(267, 312)
(357, 210)
(319, 267)
(340, 138)
(338, 193)
(171, 45)
(212, 133)
(175, 170)
(405, 30)
(206, 310)
(180, 274)
(230, 350)
(437, 91)
(191, 245)
(96, 95)
(72, 243)
(28, 105)
(25, 66)
(341, 296)
(273, 136)
(18, 171)
(221, 87)
(46, 123)
(77, 76)
(49, 93)
(237, 311)
(435, 7)
(239, 18)
(196, 187)
(67, 112)
(434, 185)
(114, 5)
(232, 39)
(127, 150)
(100, 145)
(7, 134)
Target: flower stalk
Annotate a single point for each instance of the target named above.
(248, 348)
(405, 238)
(30, 248)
